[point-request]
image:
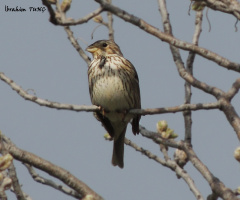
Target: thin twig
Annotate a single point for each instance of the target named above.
(144, 152)
(189, 68)
(75, 44)
(95, 29)
(51, 11)
(233, 90)
(58, 18)
(110, 24)
(44, 102)
(231, 7)
(190, 7)
(235, 25)
(180, 108)
(170, 164)
(51, 183)
(208, 20)
(157, 138)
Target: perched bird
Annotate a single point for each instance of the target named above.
(114, 87)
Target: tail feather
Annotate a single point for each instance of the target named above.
(118, 150)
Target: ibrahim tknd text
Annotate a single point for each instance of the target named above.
(20, 9)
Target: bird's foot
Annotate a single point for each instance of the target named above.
(123, 114)
(103, 111)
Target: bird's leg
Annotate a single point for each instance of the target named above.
(123, 114)
(103, 111)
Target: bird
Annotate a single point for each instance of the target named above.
(114, 87)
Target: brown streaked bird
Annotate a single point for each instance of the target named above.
(114, 86)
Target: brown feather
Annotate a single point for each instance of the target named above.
(114, 86)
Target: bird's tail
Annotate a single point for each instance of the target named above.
(118, 149)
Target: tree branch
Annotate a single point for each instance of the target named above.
(168, 38)
(171, 165)
(231, 114)
(234, 90)
(12, 174)
(227, 6)
(189, 68)
(110, 24)
(157, 138)
(44, 102)
(51, 169)
(58, 19)
(50, 183)
(75, 44)
(144, 152)
(79, 108)
(217, 186)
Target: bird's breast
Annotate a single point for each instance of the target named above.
(108, 87)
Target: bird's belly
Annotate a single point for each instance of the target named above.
(110, 94)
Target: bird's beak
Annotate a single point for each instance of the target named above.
(91, 49)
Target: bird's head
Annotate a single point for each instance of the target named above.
(104, 48)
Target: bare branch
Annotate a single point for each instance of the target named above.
(234, 90)
(12, 174)
(165, 16)
(75, 44)
(227, 6)
(180, 108)
(110, 24)
(144, 152)
(58, 19)
(226, 106)
(170, 164)
(15, 183)
(50, 183)
(186, 177)
(231, 114)
(190, 79)
(168, 29)
(217, 186)
(78, 108)
(51, 11)
(71, 22)
(53, 170)
(168, 38)
(189, 68)
(157, 138)
(44, 102)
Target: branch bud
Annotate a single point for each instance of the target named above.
(5, 161)
(107, 136)
(180, 157)
(162, 126)
(198, 6)
(6, 184)
(237, 154)
(65, 6)
(98, 19)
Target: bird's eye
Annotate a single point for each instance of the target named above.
(104, 44)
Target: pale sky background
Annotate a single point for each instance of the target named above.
(37, 55)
